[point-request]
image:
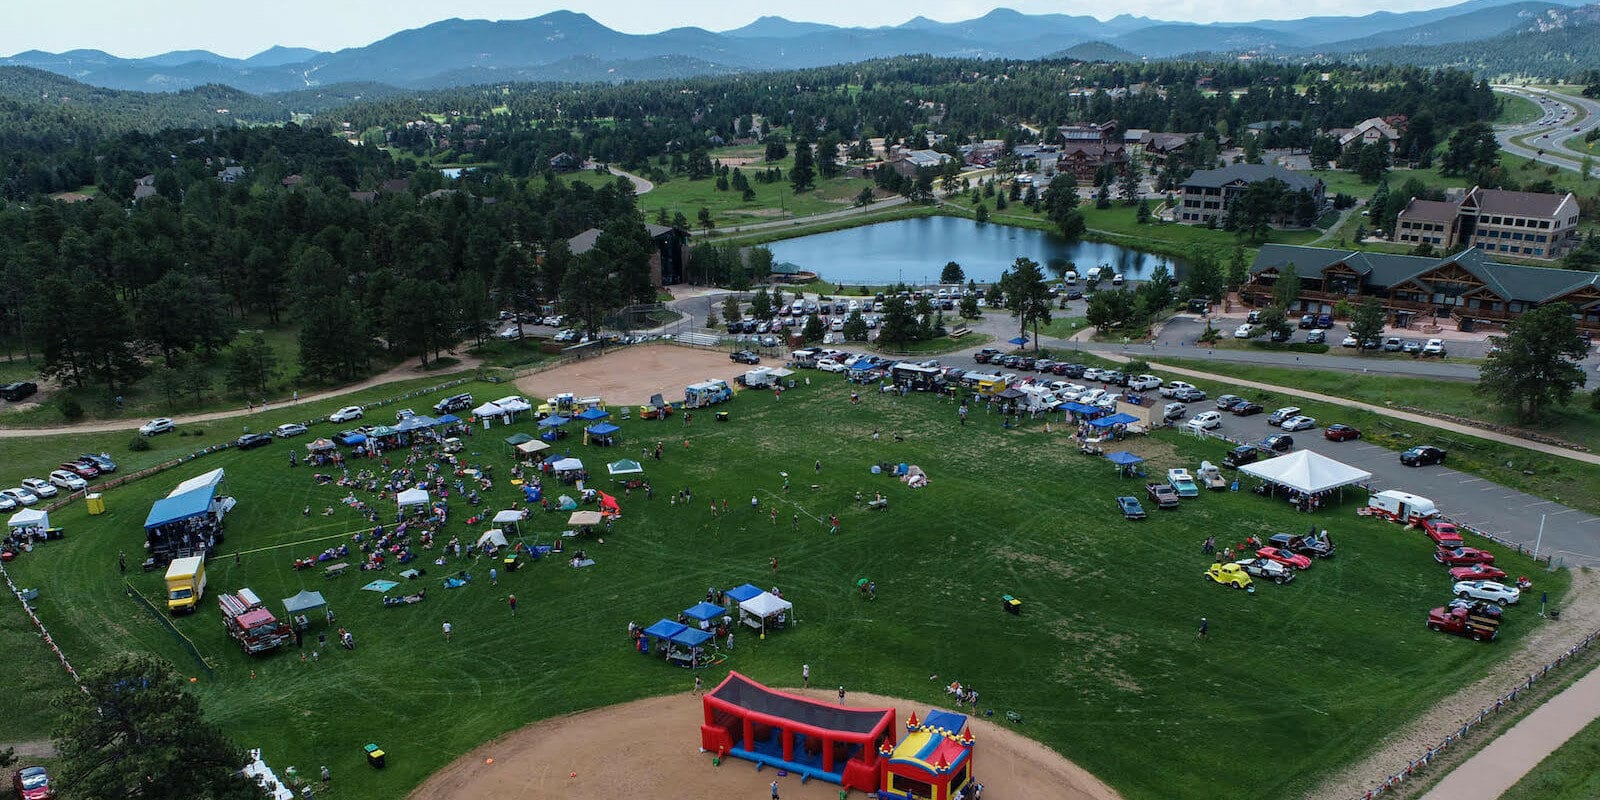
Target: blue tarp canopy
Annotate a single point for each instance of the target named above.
(743, 593)
(690, 637)
(705, 611)
(448, 419)
(351, 438)
(1018, 340)
(415, 423)
(554, 421)
(1081, 408)
(1124, 458)
(594, 414)
(864, 364)
(192, 503)
(665, 629)
(603, 429)
(1114, 419)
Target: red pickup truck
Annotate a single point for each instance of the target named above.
(1464, 622)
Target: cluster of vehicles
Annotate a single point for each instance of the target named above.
(72, 476)
(1394, 344)
(1283, 557)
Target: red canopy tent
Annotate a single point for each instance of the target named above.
(814, 739)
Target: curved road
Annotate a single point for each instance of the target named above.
(1565, 113)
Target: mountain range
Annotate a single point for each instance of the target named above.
(568, 46)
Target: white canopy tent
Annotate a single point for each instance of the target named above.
(513, 405)
(585, 518)
(30, 518)
(493, 537)
(567, 464)
(510, 515)
(1306, 472)
(211, 478)
(488, 410)
(625, 467)
(533, 448)
(757, 610)
(412, 497)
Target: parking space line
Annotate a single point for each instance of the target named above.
(1470, 480)
(1559, 513)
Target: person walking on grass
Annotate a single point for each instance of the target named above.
(697, 685)
(447, 630)
(805, 676)
(511, 600)
(1203, 626)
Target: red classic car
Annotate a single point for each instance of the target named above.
(1284, 557)
(1462, 556)
(1441, 532)
(1477, 572)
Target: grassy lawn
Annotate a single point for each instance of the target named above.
(1062, 327)
(511, 354)
(728, 208)
(939, 346)
(1119, 225)
(1103, 665)
(1516, 110)
(1572, 772)
(1571, 482)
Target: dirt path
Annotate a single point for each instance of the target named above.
(1498, 767)
(402, 372)
(629, 376)
(30, 751)
(640, 185)
(1580, 614)
(650, 748)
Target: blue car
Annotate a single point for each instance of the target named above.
(1130, 508)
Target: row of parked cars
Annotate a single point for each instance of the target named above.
(1476, 583)
(72, 476)
(1394, 344)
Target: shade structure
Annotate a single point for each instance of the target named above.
(566, 464)
(1114, 419)
(449, 419)
(665, 629)
(765, 605)
(625, 467)
(704, 611)
(743, 593)
(29, 518)
(205, 479)
(510, 515)
(1123, 458)
(602, 429)
(1018, 340)
(532, 448)
(192, 503)
(592, 414)
(690, 637)
(513, 405)
(488, 410)
(1082, 408)
(554, 421)
(493, 537)
(586, 518)
(412, 497)
(303, 602)
(415, 423)
(1306, 471)
(518, 438)
(320, 445)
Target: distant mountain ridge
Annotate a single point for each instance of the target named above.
(568, 46)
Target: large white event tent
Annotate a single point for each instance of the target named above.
(1306, 472)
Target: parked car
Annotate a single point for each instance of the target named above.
(1277, 443)
(288, 429)
(1314, 545)
(1071, 370)
(1299, 423)
(829, 365)
(20, 390)
(1287, 412)
(744, 357)
(346, 414)
(985, 355)
(1165, 496)
(1443, 532)
(1166, 391)
(1422, 455)
(1244, 331)
(1228, 401)
(1324, 320)
(1267, 570)
(32, 783)
(1411, 347)
(1483, 607)
(1434, 347)
(7, 503)
(1130, 508)
(42, 488)
(1493, 591)
(1246, 408)
(1189, 395)
(101, 461)
(157, 425)
(455, 402)
(1174, 411)
(1241, 455)
(251, 441)
(1349, 341)
(1207, 420)
(21, 496)
(1229, 575)
(1284, 557)
(1142, 383)
(1182, 482)
(1340, 432)
(80, 469)
(1317, 336)
(1308, 321)
(1462, 556)
(1478, 571)
(1392, 344)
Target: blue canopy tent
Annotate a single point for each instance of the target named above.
(1114, 419)
(1018, 340)
(1080, 408)
(351, 438)
(664, 630)
(591, 414)
(743, 593)
(690, 637)
(1126, 462)
(413, 423)
(603, 430)
(704, 612)
(192, 503)
(553, 421)
(448, 419)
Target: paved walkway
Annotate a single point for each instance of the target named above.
(640, 185)
(1498, 767)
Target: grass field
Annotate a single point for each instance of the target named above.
(1103, 664)
(1571, 482)
(1572, 772)
(729, 208)
(1516, 110)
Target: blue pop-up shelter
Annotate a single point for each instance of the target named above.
(690, 637)
(603, 429)
(190, 498)
(743, 593)
(704, 612)
(592, 414)
(1126, 462)
(1114, 419)
(663, 631)
(415, 423)
(553, 421)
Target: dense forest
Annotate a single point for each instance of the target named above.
(107, 288)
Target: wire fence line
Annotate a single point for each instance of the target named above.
(43, 632)
(183, 641)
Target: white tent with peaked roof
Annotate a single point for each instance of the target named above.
(1306, 472)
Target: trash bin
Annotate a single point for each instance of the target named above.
(512, 563)
(375, 757)
(97, 504)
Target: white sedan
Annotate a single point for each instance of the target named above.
(288, 429)
(1244, 331)
(346, 414)
(67, 480)
(21, 496)
(829, 365)
(1493, 591)
(39, 487)
(1299, 423)
(1434, 347)
(157, 425)
(1206, 420)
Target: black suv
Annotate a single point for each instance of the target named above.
(1239, 456)
(744, 357)
(455, 402)
(21, 390)
(252, 440)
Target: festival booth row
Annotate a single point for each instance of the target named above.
(187, 522)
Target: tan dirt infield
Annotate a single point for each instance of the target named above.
(630, 375)
(651, 748)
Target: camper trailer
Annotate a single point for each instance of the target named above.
(1402, 507)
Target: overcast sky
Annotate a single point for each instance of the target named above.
(134, 28)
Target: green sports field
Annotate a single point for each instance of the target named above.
(1103, 664)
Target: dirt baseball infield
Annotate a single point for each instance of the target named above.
(650, 748)
(629, 376)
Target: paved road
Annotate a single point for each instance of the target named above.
(1498, 767)
(1553, 129)
(640, 185)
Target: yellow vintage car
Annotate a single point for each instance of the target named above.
(1229, 575)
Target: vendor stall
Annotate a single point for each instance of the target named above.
(512, 517)
(765, 611)
(603, 434)
(625, 467)
(301, 606)
(412, 498)
(739, 594)
(594, 414)
(706, 614)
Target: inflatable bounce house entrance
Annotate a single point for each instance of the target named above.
(810, 738)
(933, 762)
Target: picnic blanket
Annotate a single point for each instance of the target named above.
(410, 574)
(380, 586)
(587, 562)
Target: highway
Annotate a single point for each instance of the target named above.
(1565, 116)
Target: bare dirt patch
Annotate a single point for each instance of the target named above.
(650, 748)
(629, 376)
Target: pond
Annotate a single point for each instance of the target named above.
(916, 250)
